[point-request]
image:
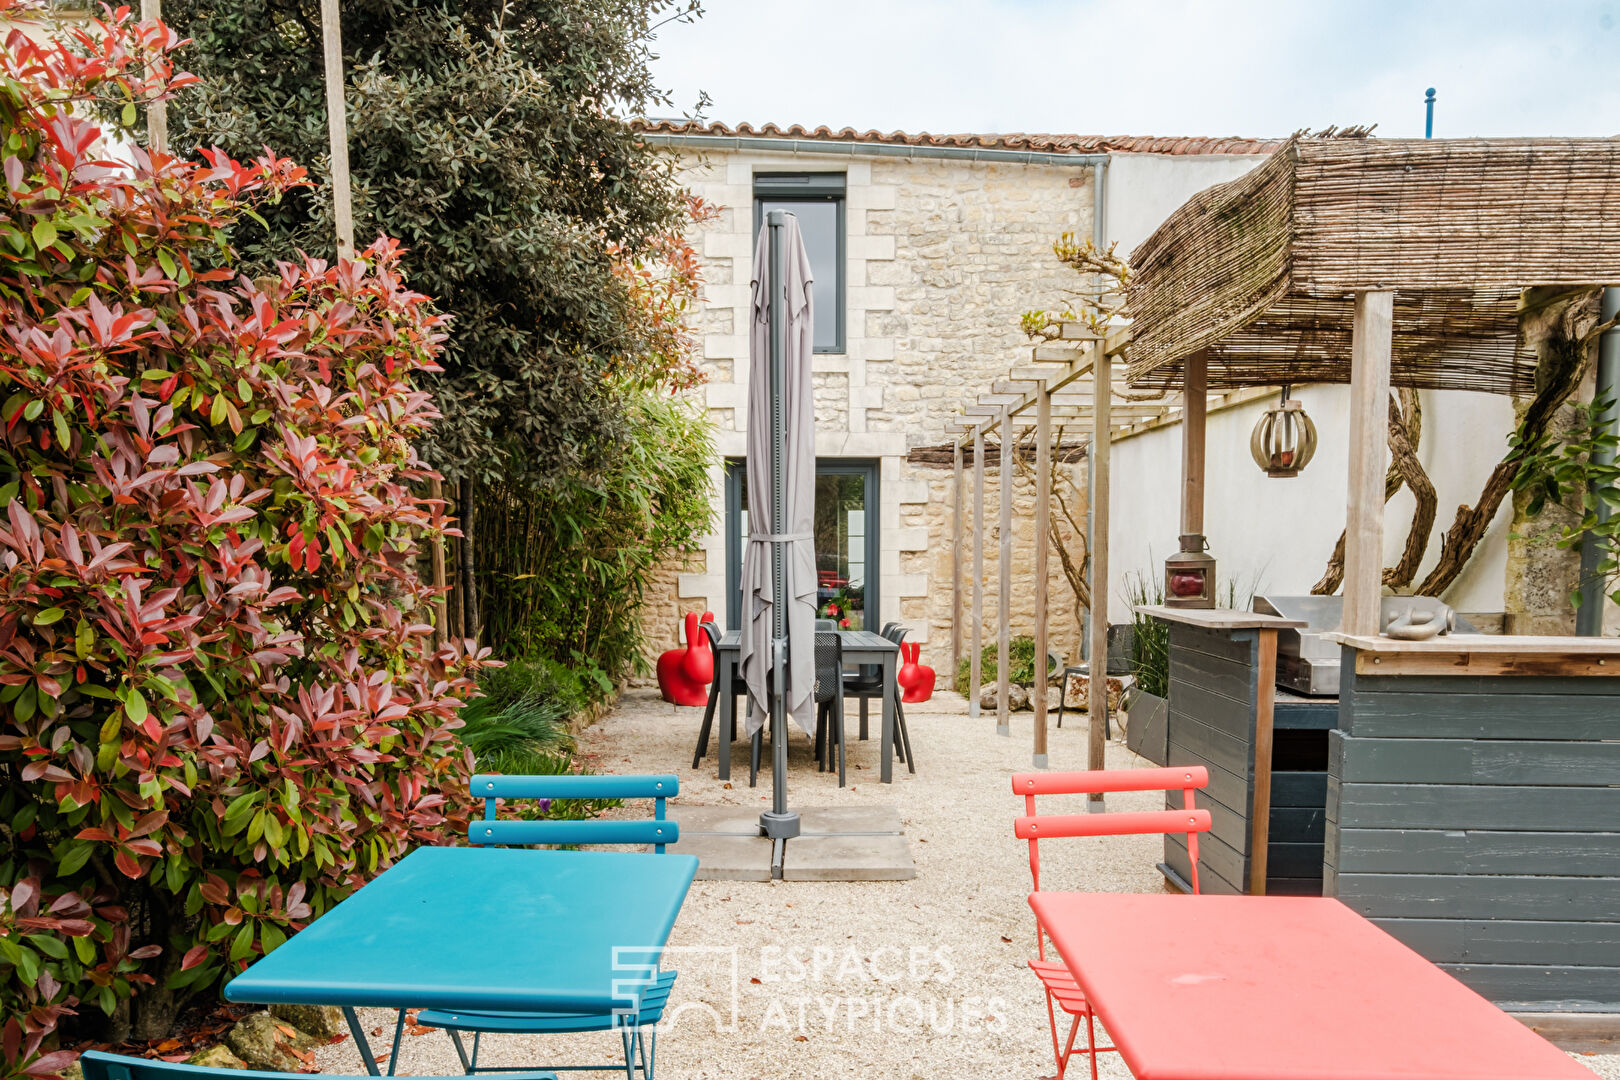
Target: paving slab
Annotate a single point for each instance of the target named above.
(848, 858)
(727, 858)
(721, 820)
(849, 821)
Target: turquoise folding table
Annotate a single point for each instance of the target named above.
(482, 929)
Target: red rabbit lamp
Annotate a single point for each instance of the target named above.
(684, 674)
(916, 679)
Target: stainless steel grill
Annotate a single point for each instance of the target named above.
(1307, 663)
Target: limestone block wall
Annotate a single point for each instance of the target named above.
(942, 258)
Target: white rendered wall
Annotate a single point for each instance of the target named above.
(1276, 535)
(1144, 189)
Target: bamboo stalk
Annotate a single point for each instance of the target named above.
(157, 112)
(337, 127)
(441, 619)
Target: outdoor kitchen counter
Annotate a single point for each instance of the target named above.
(1219, 618)
(1482, 654)
(1266, 751)
(1472, 809)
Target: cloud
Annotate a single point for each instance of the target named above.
(1167, 67)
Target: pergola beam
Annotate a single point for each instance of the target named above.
(1097, 708)
(1043, 510)
(1370, 347)
(956, 557)
(975, 677)
(1004, 588)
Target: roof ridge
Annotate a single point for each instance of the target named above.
(1042, 142)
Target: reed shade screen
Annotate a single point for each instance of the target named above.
(1262, 270)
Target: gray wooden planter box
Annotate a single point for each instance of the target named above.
(1146, 732)
(1477, 818)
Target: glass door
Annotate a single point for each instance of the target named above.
(846, 541)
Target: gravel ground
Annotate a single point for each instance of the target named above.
(912, 980)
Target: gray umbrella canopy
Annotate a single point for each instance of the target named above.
(798, 482)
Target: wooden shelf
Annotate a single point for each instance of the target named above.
(1221, 618)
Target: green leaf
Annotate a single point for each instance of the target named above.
(44, 233)
(166, 261)
(242, 947)
(52, 947)
(135, 705)
(128, 116)
(49, 616)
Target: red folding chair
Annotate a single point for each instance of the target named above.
(1062, 991)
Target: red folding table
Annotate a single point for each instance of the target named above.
(1280, 988)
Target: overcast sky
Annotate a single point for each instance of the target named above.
(1153, 67)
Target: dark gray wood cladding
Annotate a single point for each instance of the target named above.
(1213, 695)
(1477, 818)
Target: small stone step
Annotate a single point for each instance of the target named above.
(727, 858)
(848, 858)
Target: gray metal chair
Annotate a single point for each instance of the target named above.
(865, 687)
(739, 691)
(829, 697)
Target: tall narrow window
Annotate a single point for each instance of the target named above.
(817, 199)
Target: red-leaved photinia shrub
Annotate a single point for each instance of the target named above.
(220, 710)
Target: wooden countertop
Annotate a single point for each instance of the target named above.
(1220, 618)
(1483, 654)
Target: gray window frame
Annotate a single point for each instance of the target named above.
(871, 468)
(812, 187)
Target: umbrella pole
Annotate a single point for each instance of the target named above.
(778, 823)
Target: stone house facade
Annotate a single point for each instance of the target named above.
(935, 246)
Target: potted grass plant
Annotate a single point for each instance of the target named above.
(1148, 704)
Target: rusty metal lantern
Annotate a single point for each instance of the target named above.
(1284, 440)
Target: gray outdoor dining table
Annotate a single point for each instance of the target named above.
(860, 647)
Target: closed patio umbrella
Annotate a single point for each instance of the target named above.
(779, 562)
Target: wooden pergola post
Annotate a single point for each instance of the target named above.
(337, 127)
(1370, 344)
(1102, 394)
(1004, 582)
(1043, 498)
(976, 676)
(157, 112)
(1194, 410)
(956, 557)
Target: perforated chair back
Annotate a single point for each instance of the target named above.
(657, 832)
(829, 666)
(1034, 828)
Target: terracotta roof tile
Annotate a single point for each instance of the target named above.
(1036, 142)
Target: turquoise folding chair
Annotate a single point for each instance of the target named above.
(99, 1066)
(637, 1030)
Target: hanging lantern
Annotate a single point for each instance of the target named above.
(1285, 439)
